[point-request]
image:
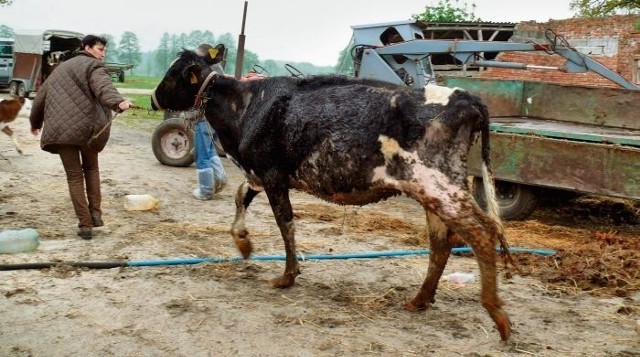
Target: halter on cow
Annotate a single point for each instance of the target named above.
(352, 142)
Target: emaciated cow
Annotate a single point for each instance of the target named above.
(9, 109)
(350, 142)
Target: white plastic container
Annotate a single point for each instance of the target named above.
(140, 202)
(18, 241)
(460, 278)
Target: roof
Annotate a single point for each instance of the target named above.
(32, 41)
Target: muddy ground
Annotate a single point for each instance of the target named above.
(583, 301)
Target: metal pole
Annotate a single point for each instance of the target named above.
(240, 55)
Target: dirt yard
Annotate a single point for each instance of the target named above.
(584, 301)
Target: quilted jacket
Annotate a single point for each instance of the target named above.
(75, 103)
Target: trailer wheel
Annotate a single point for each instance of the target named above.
(13, 88)
(22, 91)
(172, 143)
(121, 76)
(516, 201)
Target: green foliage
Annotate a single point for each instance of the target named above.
(5, 2)
(596, 8)
(445, 11)
(129, 49)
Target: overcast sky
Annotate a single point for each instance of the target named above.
(298, 31)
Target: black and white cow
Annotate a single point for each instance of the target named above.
(351, 142)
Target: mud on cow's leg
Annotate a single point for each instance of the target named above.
(244, 196)
(441, 241)
(482, 236)
(281, 206)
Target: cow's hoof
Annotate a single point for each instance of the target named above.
(282, 282)
(503, 324)
(245, 247)
(414, 305)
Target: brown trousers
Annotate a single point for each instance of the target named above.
(81, 166)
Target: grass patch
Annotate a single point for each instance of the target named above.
(139, 82)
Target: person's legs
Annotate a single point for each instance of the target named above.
(203, 151)
(219, 173)
(91, 171)
(70, 157)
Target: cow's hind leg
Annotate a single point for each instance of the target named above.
(7, 130)
(481, 232)
(441, 242)
(244, 196)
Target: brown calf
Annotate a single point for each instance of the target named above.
(9, 109)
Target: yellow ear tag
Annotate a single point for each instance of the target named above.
(213, 52)
(194, 79)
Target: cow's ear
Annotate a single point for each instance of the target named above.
(218, 55)
(192, 73)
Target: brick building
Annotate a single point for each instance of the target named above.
(614, 41)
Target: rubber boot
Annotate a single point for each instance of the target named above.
(204, 191)
(219, 174)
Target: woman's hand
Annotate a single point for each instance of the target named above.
(124, 105)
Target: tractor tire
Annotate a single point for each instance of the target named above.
(172, 143)
(515, 201)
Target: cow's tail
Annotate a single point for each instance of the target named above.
(488, 183)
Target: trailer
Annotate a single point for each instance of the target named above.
(116, 70)
(544, 137)
(35, 54)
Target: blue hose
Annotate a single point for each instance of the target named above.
(369, 255)
(178, 261)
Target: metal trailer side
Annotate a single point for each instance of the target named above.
(580, 139)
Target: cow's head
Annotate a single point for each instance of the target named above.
(180, 85)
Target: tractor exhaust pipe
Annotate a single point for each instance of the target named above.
(240, 55)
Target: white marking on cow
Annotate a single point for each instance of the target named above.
(394, 100)
(389, 147)
(434, 94)
(433, 182)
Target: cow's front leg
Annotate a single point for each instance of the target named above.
(244, 196)
(441, 240)
(281, 206)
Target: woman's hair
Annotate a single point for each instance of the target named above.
(92, 40)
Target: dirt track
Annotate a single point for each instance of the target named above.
(585, 301)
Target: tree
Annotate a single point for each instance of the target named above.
(129, 48)
(595, 8)
(447, 12)
(5, 2)
(164, 56)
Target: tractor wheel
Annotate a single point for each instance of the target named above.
(172, 143)
(515, 201)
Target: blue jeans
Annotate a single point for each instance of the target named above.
(206, 156)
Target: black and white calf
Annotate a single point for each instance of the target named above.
(350, 142)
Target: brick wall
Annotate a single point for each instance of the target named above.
(613, 38)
